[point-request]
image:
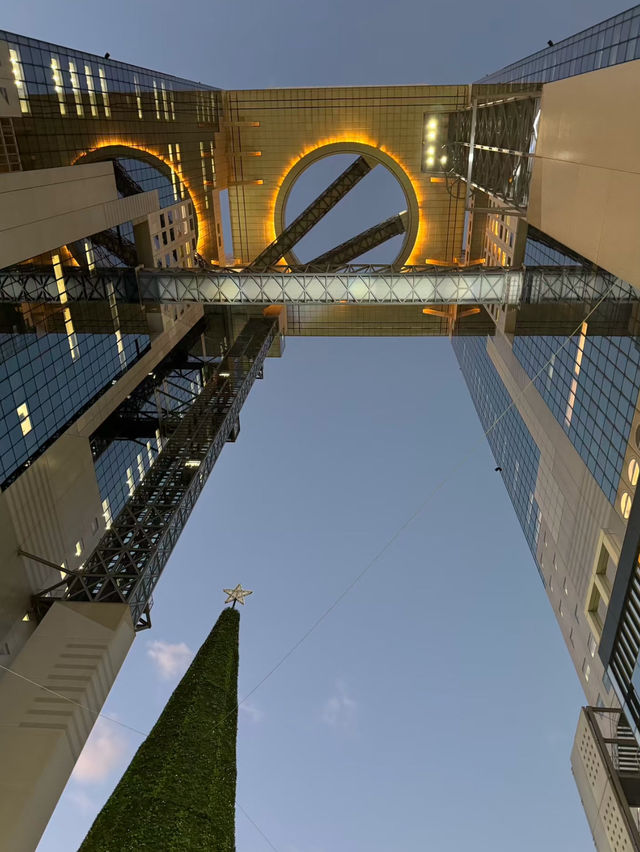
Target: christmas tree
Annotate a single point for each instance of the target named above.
(179, 790)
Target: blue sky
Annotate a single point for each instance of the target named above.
(434, 709)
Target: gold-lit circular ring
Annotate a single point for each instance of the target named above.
(370, 153)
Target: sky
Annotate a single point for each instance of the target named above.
(435, 707)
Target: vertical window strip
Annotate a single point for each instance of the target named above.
(204, 175)
(19, 80)
(56, 73)
(165, 102)
(179, 165)
(136, 86)
(174, 180)
(62, 294)
(106, 512)
(131, 485)
(141, 470)
(105, 92)
(88, 253)
(212, 101)
(120, 347)
(115, 317)
(172, 104)
(213, 164)
(156, 100)
(75, 87)
(25, 420)
(91, 89)
(568, 415)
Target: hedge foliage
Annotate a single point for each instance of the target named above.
(179, 790)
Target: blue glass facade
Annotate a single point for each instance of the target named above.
(119, 469)
(70, 103)
(595, 406)
(43, 388)
(512, 446)
(124, 463)
(607, 43)
(36, 56)
(591, 393)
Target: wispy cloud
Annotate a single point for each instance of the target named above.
(170, 660)
(105, 751)
(340, 710)
(253, 713)
(81, 800)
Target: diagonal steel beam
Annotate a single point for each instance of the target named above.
(361, 243)
(313, 213)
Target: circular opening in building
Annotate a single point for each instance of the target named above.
(375, 198)
(625, 505)
(134, 175)
(633, 471)
(638, 437)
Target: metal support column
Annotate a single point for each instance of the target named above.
(129, 558)
(361, 243)
(312, 214)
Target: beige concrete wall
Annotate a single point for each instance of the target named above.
(76, 652)
(602, 807)
(43, 209)
(52, 506)
(585, 187)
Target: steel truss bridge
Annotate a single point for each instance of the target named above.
(128, 561)
(350, 284)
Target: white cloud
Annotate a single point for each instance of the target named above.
(171, 660)
(254, 713)
(340, 709)
(105, 751)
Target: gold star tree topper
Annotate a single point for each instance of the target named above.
(238, 594)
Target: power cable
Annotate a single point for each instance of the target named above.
(257, 828)
(463, 461)
(95, 713)
(385, 547)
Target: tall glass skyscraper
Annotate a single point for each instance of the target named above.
(131, 335)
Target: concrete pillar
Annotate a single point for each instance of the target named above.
(76, 651)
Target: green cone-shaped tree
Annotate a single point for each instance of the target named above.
(179, 790)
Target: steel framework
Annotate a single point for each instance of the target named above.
(309, 217)
(351, 284)
(125, 184)
(361, 243)
(491, 145)
(129, 558)
(142, 413)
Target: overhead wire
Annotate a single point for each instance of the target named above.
(358, 577)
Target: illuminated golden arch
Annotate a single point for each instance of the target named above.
(352, 147)
(114, 149)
